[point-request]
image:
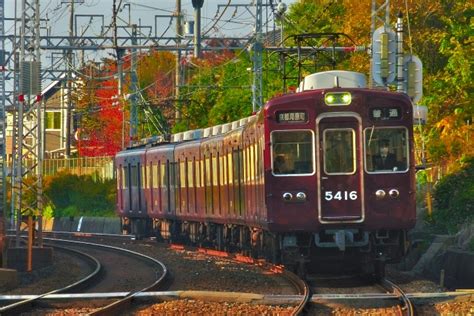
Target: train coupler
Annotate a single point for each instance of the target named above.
(341, 238)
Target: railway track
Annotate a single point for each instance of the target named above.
(407, 308)
(301, 288)
(362, 294)
(106, 274)
(22, 305)
(303, 299)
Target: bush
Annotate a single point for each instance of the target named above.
(72, 195)
(454, 199)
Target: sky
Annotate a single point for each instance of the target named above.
(235, 21)
(219, 19)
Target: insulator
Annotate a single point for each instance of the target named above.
(384, 64)
(411, 80)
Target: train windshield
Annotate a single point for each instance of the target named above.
(292, 152)
(386, 149)
(339, 151)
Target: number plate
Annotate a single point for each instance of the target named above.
(340, 195)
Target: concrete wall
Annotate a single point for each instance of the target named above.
(458, 266)
(101, 225)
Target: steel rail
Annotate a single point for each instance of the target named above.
(303, 288)
(15, 308)
(118, 305)
(407, 308)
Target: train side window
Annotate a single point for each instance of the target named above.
(339, 151)
(164, 174)
(119, 177)
(182, 173)
(143, 178)
(386, 149)
(133, 176)
(208, 184)
(125, 177)
(190, 172)
(292, 152)
(154, 171)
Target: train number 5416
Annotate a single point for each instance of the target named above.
(340, 195)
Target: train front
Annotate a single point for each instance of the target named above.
(340, 172)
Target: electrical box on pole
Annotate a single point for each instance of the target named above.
(30, 76)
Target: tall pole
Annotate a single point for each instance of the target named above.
(119, 53)
(257, 86)
(3, 176)
(179, 34)
(69, 81)
(197, 5)
(29, 162)
(134, 82)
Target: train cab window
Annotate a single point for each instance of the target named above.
(339, 151)
(386, 150)
(292, 152)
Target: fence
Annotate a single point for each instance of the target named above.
(101, 166)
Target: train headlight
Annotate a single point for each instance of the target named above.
(301, 196)
(393, 193)
(338, 98)
(287, 196)
(380, 194)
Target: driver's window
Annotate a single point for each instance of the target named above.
(386, 149)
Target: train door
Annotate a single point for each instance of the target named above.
(133, 188)
(340, 178)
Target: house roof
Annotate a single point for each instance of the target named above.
(54, 86)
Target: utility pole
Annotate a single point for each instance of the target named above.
(257, 86)
(29, 162)
(119, 52)
(3, 175)
(179, 34)
(134, 83)
(69, 81)
(197, 5)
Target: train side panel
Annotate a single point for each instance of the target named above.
(160, 160)
(131, 200)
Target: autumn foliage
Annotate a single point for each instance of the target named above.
(217, 87)
(100, 133)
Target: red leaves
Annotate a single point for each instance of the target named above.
(103, 135)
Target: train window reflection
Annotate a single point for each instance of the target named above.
(386, 149)
(292, 152)
(339, 153)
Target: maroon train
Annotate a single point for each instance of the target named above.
(309, 177)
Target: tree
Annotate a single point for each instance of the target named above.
(100, 120)
(156, 72)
